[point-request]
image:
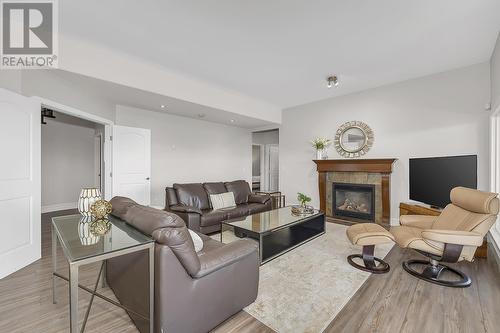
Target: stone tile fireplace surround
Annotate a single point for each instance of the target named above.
(372, 172)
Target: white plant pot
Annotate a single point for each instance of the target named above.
(321, 154)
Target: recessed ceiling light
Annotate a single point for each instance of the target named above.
(232, 120)
(332, 81)
(201, 115)
(162, 106)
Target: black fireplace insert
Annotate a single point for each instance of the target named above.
(354, 200)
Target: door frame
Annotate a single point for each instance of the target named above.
(494, 233)
(108, 130)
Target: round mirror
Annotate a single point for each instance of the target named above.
(353, 139)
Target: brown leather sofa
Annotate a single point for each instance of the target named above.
(192, 203)
(194, 292)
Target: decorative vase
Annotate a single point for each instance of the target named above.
(88, 196)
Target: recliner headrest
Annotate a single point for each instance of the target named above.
(474, 200)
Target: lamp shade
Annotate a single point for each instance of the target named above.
(87, 198)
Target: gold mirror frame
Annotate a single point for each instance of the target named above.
(363, 149)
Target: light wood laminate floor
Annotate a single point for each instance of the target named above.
(399, 302)
(26, 299)
(393, 302)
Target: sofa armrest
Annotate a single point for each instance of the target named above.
(226, 255)
(465, 238)
(185, 209)
(259, 198)
(192, 220)
(417, 221)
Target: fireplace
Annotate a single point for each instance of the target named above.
(354, 200)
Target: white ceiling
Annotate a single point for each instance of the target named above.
(281, 51)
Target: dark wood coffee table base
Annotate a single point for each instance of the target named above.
(276, 242)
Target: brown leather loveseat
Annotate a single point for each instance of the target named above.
(194, 291)
(192, 203)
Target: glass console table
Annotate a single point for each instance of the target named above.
(80, 247)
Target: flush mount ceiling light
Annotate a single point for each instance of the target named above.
(332, 81)
(232, 120)
(162, 106)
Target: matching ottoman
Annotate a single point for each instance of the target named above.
(368, 235)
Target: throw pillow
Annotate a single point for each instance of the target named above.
(222, 200)
(198, 242)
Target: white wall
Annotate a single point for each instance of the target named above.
(441, 114)
(495, 75)
(67, 163)
(49, 84)
(189, 150)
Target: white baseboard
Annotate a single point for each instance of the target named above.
(61, 206)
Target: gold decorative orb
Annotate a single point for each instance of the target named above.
(99, 227)
(100, 209)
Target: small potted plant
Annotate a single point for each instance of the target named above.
(303, 199)
(303, 208)
(321, 144)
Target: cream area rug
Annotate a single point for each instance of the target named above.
(304, 289)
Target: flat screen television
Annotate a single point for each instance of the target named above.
(431, 179)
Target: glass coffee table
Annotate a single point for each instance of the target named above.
(277, 231)
(82, 245)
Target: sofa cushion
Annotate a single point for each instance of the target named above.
(241, 190)
(238, 211)
(212, 217)
(222, 200)
(193, 195)
(214, 188)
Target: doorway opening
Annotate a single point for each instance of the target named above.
(265, 161)
(72, 158)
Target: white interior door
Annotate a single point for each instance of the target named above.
(20, 236)
(132, 163)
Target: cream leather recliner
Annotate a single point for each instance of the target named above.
(450, 237)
